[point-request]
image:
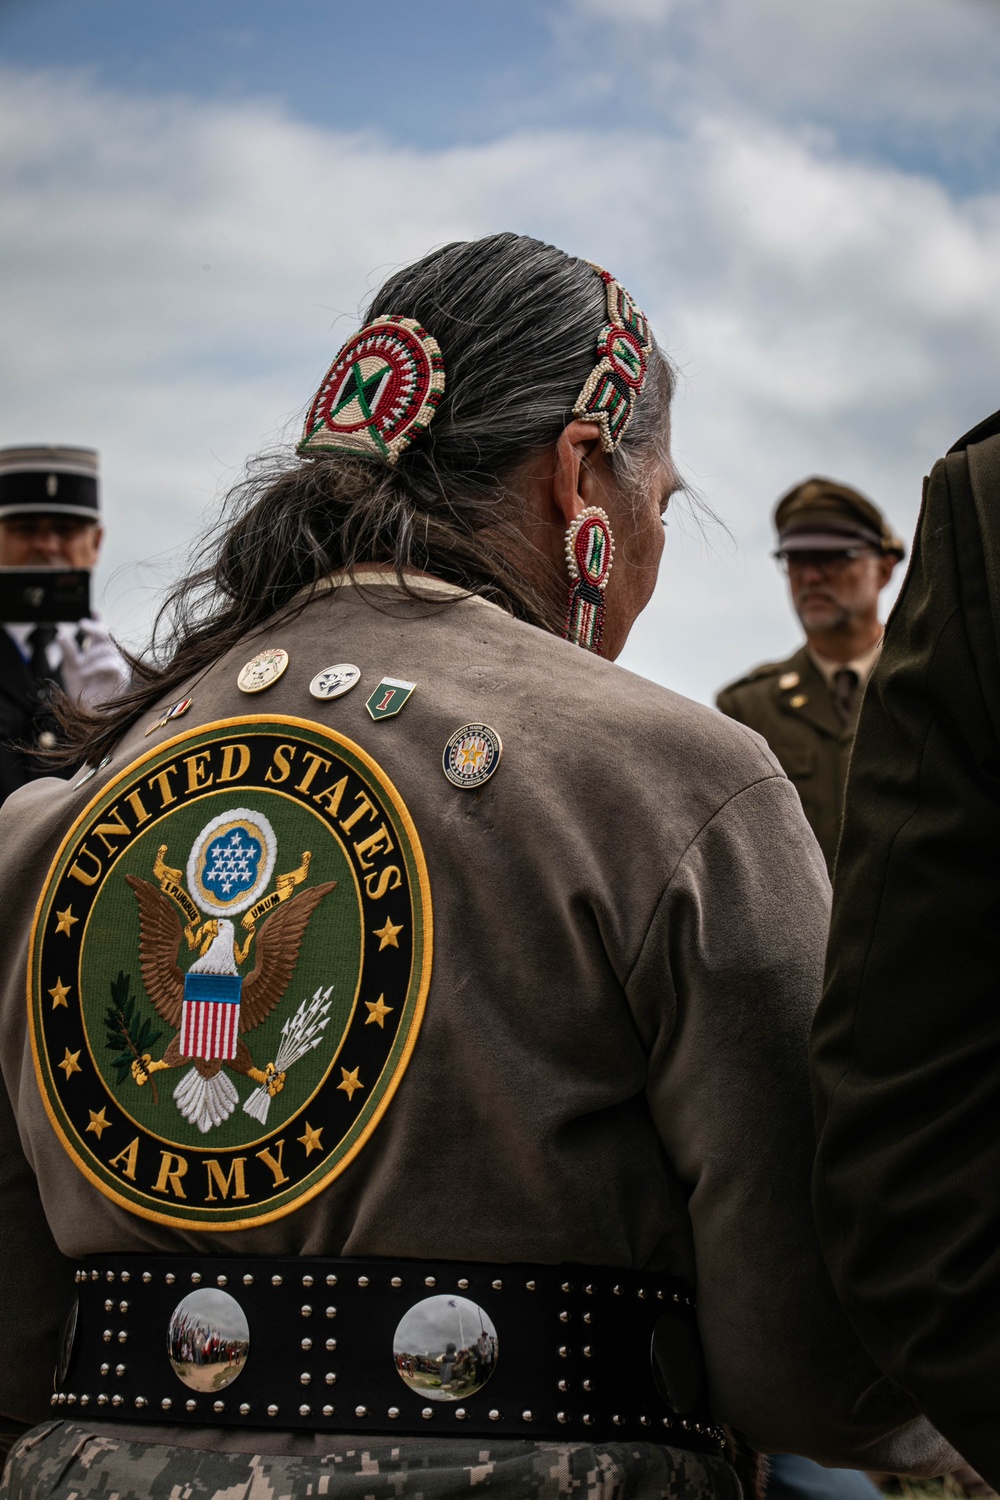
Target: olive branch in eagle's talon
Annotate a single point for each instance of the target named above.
(132, 1038)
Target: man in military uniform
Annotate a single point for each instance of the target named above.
(839, 554)
(904, 1046)
(49, 518)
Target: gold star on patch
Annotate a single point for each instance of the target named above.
(377, 1011)
(99, 1122)
(311, 1139)
(387, 934)
(70, 1063)
(350, 1082)
(66, 920)
(59, 994)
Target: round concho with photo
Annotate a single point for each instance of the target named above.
(228, 969)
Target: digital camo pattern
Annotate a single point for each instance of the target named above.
(228, 969)
(65, 1461)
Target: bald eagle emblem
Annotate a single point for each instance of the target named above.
(211, 1005)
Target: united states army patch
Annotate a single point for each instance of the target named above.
(228, 970)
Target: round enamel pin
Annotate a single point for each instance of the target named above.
(472, 755)
(334, 682)
(261, 670)
(228, 970)
(380, 393)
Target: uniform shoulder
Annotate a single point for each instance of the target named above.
(978, 434)
(764, 674)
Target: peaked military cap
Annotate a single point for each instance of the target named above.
(49, 481)
(820, 515)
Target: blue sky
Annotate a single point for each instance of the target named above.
(463, 70)
(200, 194)
(470, 70)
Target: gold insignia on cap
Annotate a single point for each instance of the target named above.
(788, 680)
(799, 701)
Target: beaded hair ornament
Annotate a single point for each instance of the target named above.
(624, 345)
(379, 394)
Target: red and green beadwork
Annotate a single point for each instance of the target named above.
(380, 393)
(590, 552)
(624, 345)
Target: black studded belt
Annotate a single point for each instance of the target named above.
(387, 1346)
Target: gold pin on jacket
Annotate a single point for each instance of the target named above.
(788, 680)
(471, 755)
(262, 670)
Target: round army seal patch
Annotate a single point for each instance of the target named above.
(228, 970)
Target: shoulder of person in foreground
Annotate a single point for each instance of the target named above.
(906, 1089)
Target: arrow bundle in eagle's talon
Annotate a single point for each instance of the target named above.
(299, 1035)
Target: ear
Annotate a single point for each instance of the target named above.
(572, 479)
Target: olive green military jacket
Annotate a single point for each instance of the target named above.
(906, 1043)
(629, 921)
(789, 703)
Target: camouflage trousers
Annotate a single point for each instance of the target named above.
(68, 1461)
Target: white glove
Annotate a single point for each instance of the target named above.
(94, 671)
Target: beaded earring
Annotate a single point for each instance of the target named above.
(590, 551)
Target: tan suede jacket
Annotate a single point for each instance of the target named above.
(629, 928)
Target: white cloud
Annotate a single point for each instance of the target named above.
(828, 316)
(918, 69)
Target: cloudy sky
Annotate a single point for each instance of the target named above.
(804, 197)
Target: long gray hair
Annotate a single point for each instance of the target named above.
(517, 322)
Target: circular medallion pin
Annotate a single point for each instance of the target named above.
(261, 670)
(472, 755)
(334, 682)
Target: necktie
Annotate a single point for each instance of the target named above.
(38, 664)
(845, 693)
